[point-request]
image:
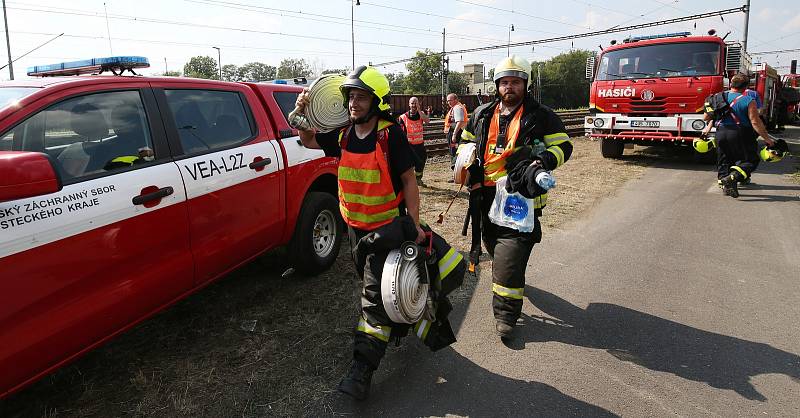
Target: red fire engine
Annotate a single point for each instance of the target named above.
(651, 89)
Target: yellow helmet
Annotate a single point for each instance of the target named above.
(774, 153)
(769, 155)
(369, 79)
(703, 146)
(512, 66)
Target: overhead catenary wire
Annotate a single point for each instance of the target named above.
(199, 25)
(576, 36)
(779, 51)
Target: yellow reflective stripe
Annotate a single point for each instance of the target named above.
(709, 109)
(739, 169)
(552, 139)
(421, 328)
(368, 200)
(508, 292)
(540, 201)
(381, 332)
(363, 217)
(360, 175)
(467, 136)
(383, 124)
(449, 262)
(496, 176)
(559, 155)
(127, 159)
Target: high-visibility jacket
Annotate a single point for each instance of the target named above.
(413, 129)
(539, 127)
(448, 119)
(367, 199)
(495, 164)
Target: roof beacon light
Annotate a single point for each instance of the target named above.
(116, 65)
(659, 36)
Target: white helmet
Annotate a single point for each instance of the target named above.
(512, 66)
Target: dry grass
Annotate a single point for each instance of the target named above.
(256, 344)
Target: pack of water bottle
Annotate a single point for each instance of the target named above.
(513, 210)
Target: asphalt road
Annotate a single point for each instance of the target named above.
(668, 299)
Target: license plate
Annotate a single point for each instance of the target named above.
(645, 124)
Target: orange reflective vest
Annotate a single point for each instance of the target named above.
(495, 164)
(413, 129)
(367, 199)
(448, 118)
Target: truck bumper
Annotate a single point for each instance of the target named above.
(677, 128)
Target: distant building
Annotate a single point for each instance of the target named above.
(477, 82)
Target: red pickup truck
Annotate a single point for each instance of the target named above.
(121, 195)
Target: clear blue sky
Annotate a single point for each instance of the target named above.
(319, 30)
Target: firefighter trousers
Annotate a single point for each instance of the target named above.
(374, 326)
(737, 151)
(421, 157)
(510, 251)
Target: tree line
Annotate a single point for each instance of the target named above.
(563, 83)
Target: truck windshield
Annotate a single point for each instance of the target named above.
(9, 95)
(658, 61)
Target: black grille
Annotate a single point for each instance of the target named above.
(658, 104)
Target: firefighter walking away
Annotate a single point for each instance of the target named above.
(519, 143)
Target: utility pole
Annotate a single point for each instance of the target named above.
(108, 30)
(353, 32)
(508, 48)
(443, 82)
(8, 43)
(219, 61)
(166, 70)
(746, 24)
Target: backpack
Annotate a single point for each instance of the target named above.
(717, 104)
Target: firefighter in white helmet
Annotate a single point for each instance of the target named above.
(516, 138)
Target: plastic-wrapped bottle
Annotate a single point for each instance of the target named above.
(546, 180)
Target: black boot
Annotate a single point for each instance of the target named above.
(504, 331)
(356, 382)
(729, 185)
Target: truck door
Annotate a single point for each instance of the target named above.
(232, 171)
(80, 264)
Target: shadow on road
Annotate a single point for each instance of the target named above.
(453, 385)
(658, 344)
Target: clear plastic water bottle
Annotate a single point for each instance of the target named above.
(546, 180)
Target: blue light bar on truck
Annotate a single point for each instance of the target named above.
(91, 66)
(659, 36)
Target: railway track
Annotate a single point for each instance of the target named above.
(435, 138)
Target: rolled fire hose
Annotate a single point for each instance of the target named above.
(464, 159)
(325, 110)
(404, 285)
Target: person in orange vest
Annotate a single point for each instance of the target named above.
(376, 185)
(516, 137)
(412, 122)
(454, 122)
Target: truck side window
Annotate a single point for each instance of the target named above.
(209, 119)
(89, 134)
(286, 101)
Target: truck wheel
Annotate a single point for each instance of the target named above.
(611, 148)
(317, 235)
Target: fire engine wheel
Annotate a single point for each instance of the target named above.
(317, 235)
(611, 148)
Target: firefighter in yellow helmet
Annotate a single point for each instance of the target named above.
(516, 138)
(376, 184)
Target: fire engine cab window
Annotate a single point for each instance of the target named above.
(660, 61)
(87, 135)
(209, 120)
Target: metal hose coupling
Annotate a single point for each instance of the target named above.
(324, 111)
(405, 284)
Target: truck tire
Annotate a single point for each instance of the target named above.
(611, 148)
(317, 235)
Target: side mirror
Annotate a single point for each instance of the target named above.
(27, 174)
(590, 67)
